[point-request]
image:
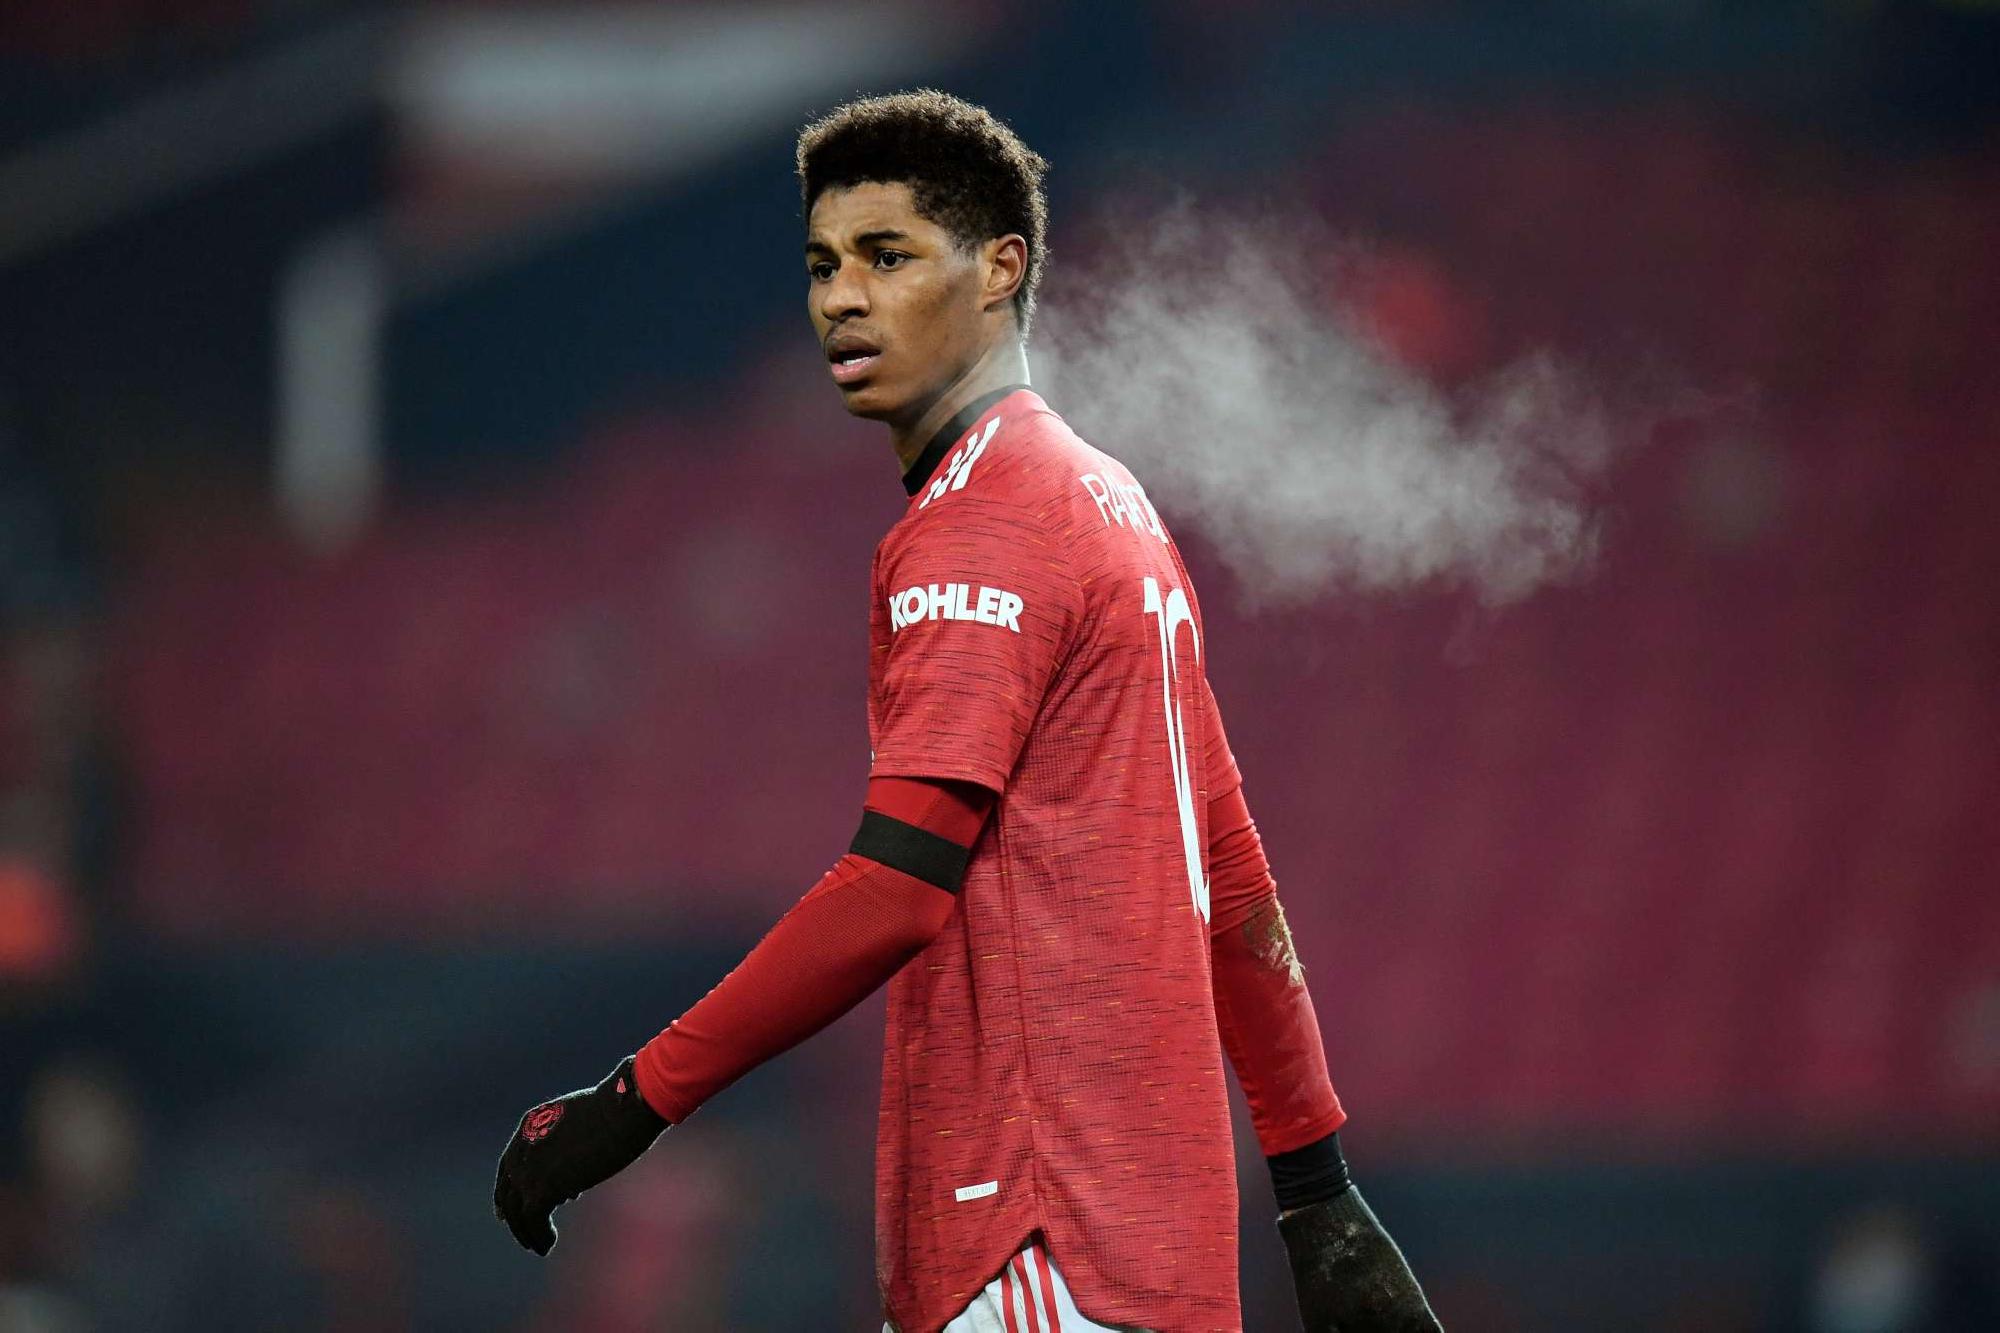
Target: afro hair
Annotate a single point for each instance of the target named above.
(967, 171)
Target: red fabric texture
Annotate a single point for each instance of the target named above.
(849, 934)
(1262, 1009)
(953, 810)
(1239, 877)
(1050, 1063)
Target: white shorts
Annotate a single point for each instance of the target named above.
(1029, 1296)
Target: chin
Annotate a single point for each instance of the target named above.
(869, 402)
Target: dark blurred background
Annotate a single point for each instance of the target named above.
(432, 645)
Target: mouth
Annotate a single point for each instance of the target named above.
(852, 357)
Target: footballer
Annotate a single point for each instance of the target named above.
(1055, 872)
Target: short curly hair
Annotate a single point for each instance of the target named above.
(967, 171)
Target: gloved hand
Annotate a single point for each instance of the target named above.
(562, 1148)
(1349, 1275)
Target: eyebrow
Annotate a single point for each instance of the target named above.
(865, 238)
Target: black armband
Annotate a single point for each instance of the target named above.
(917, 852)
(1309, 1175)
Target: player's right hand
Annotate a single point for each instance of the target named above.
(562, 1148)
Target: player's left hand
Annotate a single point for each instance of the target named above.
(562, 1148)
(1349, 1275)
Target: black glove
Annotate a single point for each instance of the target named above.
(1350, 1276)
(563, 1147)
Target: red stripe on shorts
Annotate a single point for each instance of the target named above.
(1048, 1288)
(1007, 1299)
(1028, 1296)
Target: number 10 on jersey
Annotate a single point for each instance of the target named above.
(1172, 610)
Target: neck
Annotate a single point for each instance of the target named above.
(1005, 363)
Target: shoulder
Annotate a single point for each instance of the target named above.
(1020, 460)
(992, 515)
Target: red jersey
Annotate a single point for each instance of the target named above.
(1051, 1062)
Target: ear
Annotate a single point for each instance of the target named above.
(1006, 265)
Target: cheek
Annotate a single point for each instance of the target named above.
(938, 311)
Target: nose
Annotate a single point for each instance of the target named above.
(845, 294)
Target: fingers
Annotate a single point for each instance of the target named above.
(506, 1196)
(531, 1227)
(541, 1229)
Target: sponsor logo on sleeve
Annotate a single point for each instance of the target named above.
(955, 601)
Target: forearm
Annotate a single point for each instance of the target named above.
(1263, 1011)
(1264, 1014)
(868, 916)
(878, 906)
(849, 935)
(1348, 1273)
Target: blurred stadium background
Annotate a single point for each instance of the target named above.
(432, 575)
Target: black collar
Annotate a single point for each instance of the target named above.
(940, 445)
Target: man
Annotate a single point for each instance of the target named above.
(1055, 871)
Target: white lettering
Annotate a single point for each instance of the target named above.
(1145, 506)
(955, 601)
(1124, 501)
(958, 470)
(964, 1192)
(1174, 611)
(1098, 492)
(964, 470)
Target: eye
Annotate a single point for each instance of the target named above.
(820, 269)
(890, 259)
